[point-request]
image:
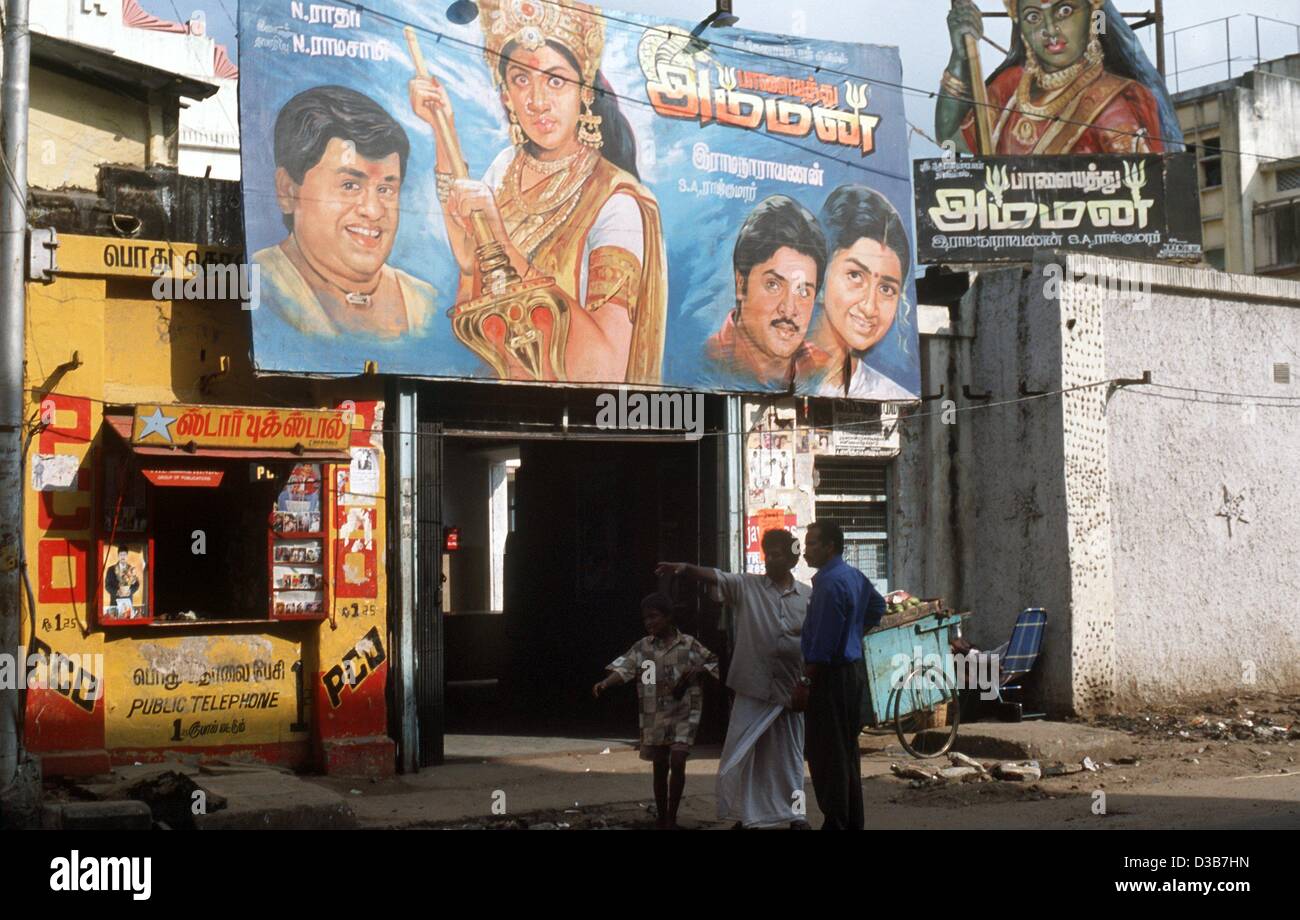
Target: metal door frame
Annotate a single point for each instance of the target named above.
(418, 693)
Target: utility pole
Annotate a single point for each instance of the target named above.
(1160, 37)
(14, 99)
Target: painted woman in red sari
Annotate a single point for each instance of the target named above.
(1076, 82)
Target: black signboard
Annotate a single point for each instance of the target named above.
(1004, 209)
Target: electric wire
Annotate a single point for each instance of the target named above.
(440, 35)
(644, 103)
(598, 433)
(821, 154)
(903, 87)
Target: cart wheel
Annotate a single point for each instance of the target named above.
(914, 699)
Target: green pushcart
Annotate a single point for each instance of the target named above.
(912, 679)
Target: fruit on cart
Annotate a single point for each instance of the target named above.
(901, 602)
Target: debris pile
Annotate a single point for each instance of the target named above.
(965, 769)
(1248, 726)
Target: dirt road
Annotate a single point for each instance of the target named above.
(1230, 765)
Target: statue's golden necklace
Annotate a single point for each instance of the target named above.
(1053, 105)
(1061, 78)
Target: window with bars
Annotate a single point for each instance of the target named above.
(1277, 236)
(1211, 155)
(855, 494)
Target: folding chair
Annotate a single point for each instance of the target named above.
(1017, 660)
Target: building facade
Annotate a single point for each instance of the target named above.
(213, 582)
(206, 135)
(213, 586)
(1247, 140)
(332, 573)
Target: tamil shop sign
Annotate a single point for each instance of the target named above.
(157, 425)
(1004, 209)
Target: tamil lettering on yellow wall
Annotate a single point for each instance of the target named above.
(206, 690)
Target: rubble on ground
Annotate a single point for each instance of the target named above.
(966, 769)
(1229, 721)
(1027, 772)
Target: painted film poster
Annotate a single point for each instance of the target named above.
(1004, 209)
(553, 192)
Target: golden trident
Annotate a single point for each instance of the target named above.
(507, 302)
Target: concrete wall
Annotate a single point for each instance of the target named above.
(209, 135)
(984, 507)
(209, 128)
(931, 521)
(1202, 606)
(75, 127)
(1108, 505)
(1018, 522)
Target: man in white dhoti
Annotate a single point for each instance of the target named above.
(760, 774)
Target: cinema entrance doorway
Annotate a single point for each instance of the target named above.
(538, 534)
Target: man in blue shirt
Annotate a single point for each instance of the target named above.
(843, 607)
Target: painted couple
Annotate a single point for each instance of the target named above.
(852, 261)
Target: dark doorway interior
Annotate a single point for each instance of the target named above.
(590, 520)
(210, 550)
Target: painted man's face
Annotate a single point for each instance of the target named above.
(863, 286)
(346, 211)
(776, 302)
(1057, 32)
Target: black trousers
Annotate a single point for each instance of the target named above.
(831, 728)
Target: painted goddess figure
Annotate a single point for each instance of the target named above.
(565, 199)
(1076, 81)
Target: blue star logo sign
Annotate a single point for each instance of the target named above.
(157, 424)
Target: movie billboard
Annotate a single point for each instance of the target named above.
(1004, 209)
(558, 193)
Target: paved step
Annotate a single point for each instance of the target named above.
(1040, 740)
(123, 815)
(269, 799)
